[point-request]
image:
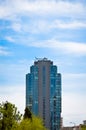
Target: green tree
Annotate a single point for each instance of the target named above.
(31, 122)
(35, 124)
(27, 114)
(83, 127)
(9, 116)
(10, 119)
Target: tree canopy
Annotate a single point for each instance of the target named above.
(11, 119)
(8, 116)
(27, 114)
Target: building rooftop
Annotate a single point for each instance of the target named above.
(42, 60)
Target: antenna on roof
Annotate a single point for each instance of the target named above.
(40, 58)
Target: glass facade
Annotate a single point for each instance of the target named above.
(43, 92)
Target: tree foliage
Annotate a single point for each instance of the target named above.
(83, 127)
(31, 122)
(27, 114)
(27, 124)
(8, 116)
(10, 119)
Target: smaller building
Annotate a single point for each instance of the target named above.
(84, 122)
(71, 128)
(67, 128)
(61, 123)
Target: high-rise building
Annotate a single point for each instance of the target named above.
(43, 92)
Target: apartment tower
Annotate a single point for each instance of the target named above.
(43, 92)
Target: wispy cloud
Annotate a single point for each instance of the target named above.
(4, 51)
(46, 26)
(40, 17)
(16, 27)
(9, 38)
(20, 7)
(68, 25)
(68, 47)
(64, 47)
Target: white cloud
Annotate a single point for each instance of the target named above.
(68, 47)
(67, 25)
(16, 27)
(4, 51)
(14, 10)
(76, 48)
(45, 26)
(43, 8)
(4, 12)
(64, 47)
(9, 38)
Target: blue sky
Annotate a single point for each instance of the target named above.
(55, 29)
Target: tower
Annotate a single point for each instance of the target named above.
(43, 92)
